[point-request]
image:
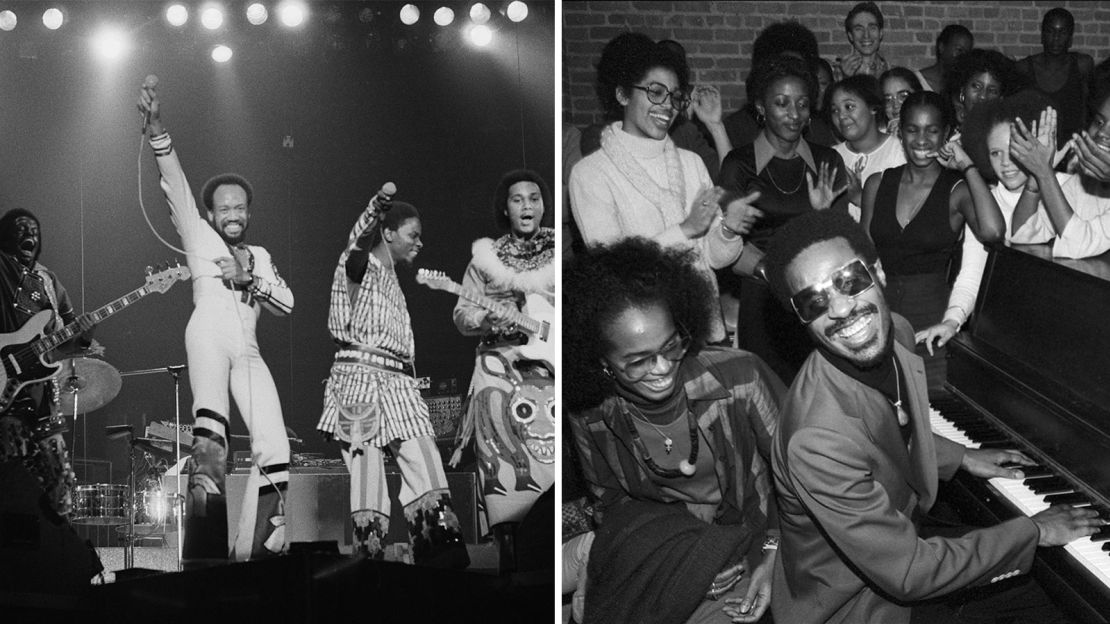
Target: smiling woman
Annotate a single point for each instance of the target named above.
(639, 183)
(673, 438)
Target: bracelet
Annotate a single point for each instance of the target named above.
(771, 543)
(729, 233)
(964, 170)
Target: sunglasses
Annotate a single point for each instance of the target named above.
(657, 93)
(851, 280)
(674, 350)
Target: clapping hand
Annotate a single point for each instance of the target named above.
(821, 193)
(1092, 159)
(741, 213)
(1035, 147)
(705, 102)
(702, 212)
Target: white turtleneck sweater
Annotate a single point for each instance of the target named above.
(608, 206)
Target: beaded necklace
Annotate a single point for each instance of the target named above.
(686, 467)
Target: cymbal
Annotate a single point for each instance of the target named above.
(154, 445)
(91, 382)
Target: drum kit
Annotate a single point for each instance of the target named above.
(141, 509)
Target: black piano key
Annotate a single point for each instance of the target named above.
(1050, 486)
(999, 444)
(1102, 535)
(1069, 498)
(1035, 472)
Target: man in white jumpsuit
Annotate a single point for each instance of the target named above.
(232, 282)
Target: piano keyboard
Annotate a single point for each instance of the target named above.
(1039, 490)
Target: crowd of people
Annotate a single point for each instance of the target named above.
(849, 217)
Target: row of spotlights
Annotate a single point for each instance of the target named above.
(290, 13)
(516, 11)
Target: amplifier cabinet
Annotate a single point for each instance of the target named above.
(318, 504)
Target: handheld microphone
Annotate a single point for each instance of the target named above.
(150, 82)
(384, 196)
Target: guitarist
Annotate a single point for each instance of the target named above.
(31, 428)
(515, 449)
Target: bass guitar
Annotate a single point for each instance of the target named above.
(24, 352)
(537, 319)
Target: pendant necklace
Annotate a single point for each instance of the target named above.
(686, 468)
(903, 417)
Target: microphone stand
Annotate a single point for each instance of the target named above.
(179, 497)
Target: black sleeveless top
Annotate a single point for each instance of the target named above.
(927, 243)
(1070, 102)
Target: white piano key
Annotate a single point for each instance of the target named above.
(1085, 551)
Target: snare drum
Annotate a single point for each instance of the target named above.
(156, 508)
(100, 503)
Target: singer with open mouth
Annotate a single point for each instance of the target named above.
(232, 282)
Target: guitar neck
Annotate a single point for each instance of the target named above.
(53, 341)
(521, 320)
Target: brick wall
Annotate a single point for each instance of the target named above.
(718, 35)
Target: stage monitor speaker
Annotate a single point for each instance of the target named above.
(318, 504)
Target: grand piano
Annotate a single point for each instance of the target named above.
(1033, 373)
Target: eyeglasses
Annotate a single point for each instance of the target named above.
(851, 280)
(674, 350)
(898, 97)
(657, 93)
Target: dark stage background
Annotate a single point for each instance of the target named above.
(439, 117)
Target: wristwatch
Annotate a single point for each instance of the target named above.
(771, 543)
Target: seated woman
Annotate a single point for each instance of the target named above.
(857, 114)
(916, 213)
(674, 441)
(896, 84)
(792, 176)
(639, 183)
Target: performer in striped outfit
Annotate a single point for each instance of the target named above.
(232, 282)
(371, 400)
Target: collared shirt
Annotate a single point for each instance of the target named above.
(764, 152)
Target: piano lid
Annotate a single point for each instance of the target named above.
(1046, 321)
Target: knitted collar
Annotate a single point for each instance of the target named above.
(621, 148)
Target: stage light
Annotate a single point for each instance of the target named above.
(517, 11)
(444, 16)
(292, 14)
(221, 54)
(257, 14)
(480, 35)
(177, 15)
(410, 14)
(212, 18)
(110, 43)
(52, 19)
(479, 13)
(7, 20)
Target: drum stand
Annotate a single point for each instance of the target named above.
(179, 496)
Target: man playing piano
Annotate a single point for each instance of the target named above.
(855, 462)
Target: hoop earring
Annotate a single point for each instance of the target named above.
(608, 372)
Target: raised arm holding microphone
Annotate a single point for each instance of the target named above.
(232, 282)
(371, 399)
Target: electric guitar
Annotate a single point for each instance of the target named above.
(538, 322)
(24, 352)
